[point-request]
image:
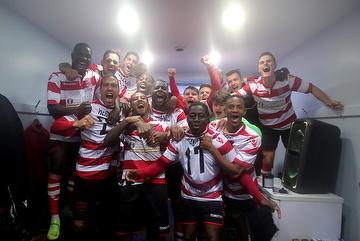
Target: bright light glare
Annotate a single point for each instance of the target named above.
(147, 58)
(128, 20)
(233, 17)
(214, 57)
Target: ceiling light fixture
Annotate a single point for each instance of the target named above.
(147, 58)
(128, 20)
(233, 17)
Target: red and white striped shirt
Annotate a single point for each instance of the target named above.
(246, 143)
(94, 159)
(177, 117)
(274, 103)
(70, 93)
(202, 179)
(121, 77)
(127, 83)
(137, 153)
(131, 88)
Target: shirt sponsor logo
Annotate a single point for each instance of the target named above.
(271, 104)
(103, 113)
(262, 92)
(70, 83)
(162, 117)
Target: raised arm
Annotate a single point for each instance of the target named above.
(214, 78)
(174, 89)
(299, 85)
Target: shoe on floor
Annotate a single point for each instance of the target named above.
(54, 230)
(67, 212)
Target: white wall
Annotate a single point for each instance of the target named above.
(28, 56)
(331, 61)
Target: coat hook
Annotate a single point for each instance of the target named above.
(36, 106)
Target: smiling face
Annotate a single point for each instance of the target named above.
(234, 81)
(144, 83)
(235, 110)
(218, 110)
(198, 118)
(190, 96)
(218, 103)
(267, 65)
(109, 90)
(204, 93)
(81, 58)
(160, 94)
(129, 62)
(110, 63)
(139, 104)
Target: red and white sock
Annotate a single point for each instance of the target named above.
(266, 168)
(54, 193)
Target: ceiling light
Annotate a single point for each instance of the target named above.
(147, 58)
(233, 17)
(128, 20)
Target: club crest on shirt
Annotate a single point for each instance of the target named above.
(253, 142)
(194, 141)
(219, 139)
(69, 101)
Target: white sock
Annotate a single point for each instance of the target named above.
(55, 217)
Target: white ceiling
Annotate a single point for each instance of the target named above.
(278, 26)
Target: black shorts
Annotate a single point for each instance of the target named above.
(94, 200)
(270, 138)
(207, 212)
(142, 206)
(173, 175)
(234, 208)
(63, 155)
(250, 218)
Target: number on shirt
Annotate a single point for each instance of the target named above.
(103, 130)
(197, 151)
